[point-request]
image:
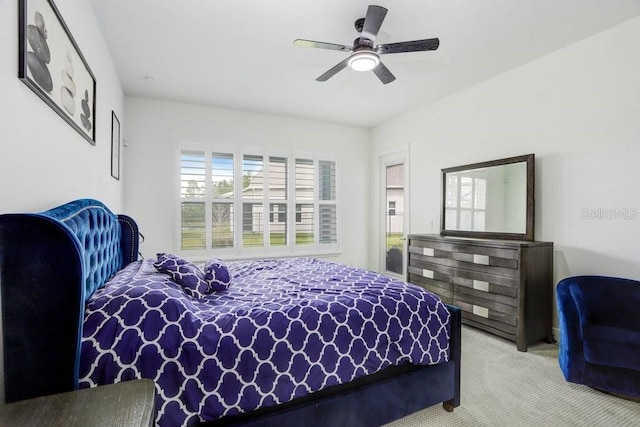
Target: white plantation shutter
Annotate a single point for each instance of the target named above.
(305, 223)
(222, 208)
(278, 192)
(327, 204)
(253, 189)
(328, 224)
(327, 180)
(222, 215)
(192, 178)
(222, 178)
(305, 179)
(278, 233)
(263, 202)
(278, 185)
(253, 177)
(192, 200)
(305, 185)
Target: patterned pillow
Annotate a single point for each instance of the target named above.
(216, 274)
(184, 273)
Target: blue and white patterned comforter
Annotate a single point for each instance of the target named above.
(284, 329)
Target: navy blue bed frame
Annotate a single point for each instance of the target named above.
(51, 262)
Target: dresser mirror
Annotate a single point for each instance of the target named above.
(490, 200)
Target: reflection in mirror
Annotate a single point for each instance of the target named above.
(487, 199)
(490, 199)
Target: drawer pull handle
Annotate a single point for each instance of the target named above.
(481, 311)
(427, 251)
(481, 259)
(427, 273)
(481, 285)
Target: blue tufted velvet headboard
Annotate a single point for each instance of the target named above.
(50, 264)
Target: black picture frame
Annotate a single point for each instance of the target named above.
(115, 146)
(52, 65)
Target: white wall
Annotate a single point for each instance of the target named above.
(578, 110)
(155, 128)
(44, 162)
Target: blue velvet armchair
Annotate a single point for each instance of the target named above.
(600, 333)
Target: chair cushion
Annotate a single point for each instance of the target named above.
(610, 346)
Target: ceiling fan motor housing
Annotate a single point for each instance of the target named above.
(358, 45)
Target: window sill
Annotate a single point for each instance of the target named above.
(250, 255)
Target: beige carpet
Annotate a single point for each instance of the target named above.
(501, 386)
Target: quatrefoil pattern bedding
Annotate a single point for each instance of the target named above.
(281, 330)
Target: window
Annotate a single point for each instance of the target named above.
(192, 203)
(392, 208)
(222, 189)
(465, 202)
(233, 200)
(327, 212)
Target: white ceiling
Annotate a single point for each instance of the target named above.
(239, 54)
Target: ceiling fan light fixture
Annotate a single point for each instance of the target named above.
(363, 61)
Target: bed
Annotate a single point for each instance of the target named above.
(327, 343)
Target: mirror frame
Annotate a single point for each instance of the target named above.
(530, 210)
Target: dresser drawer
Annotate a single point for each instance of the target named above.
(490, 325)
(435, 283)
(485, 313)
(469, 253)
(488, 255)
(496, 303)
(489, 284)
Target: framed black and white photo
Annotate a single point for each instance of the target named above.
(115, 146)
(52, 65)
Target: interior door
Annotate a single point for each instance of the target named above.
(394, 216)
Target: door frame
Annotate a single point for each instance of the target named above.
(393, 157)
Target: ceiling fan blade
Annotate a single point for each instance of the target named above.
(333, 71)
(322, 45)
(384, 74)
(372, 24)
(412, 46)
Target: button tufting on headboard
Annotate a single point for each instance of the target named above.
(98, 233)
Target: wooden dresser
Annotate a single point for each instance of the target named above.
(503, 287)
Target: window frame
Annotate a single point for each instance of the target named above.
(239, 250)
(391, 211)
(472, 210)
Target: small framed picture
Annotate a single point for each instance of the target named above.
(52, 65)
(115, 146)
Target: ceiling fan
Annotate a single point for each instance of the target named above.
(364, 55)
